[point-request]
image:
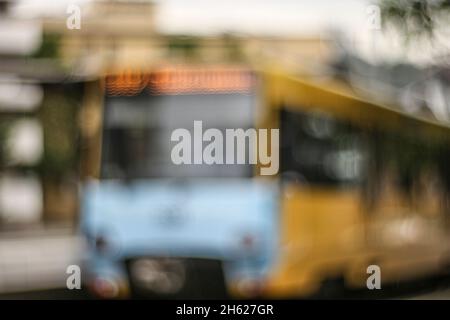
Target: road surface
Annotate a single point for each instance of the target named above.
(33, 266)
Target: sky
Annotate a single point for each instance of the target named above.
(248, 16)
(259, 16)
(269, 17)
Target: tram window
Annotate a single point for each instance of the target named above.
(318, 149)
(137, 133)
(405, 164)
(444, 168)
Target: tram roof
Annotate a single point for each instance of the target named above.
(295, 92)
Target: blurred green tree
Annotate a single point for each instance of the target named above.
(414, 17)
(49, 47)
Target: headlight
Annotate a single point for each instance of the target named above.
(106, 288)
(250, 242)
(101, 244)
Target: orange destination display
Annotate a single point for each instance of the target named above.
(182, 80)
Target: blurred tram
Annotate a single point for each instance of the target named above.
(158, 229)
(359, 184)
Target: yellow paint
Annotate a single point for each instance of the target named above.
(332, 232)
(321, 233)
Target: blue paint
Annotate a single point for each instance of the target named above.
(195, 218)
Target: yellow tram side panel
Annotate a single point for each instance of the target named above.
(322, 229)
(329, 233)
(322, 237)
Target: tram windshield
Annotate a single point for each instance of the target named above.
(137, 133)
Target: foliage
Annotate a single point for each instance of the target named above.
(413, 17)
(49, 47)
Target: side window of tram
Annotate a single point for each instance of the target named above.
(315, 148)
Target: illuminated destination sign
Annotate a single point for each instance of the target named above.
(182, 80)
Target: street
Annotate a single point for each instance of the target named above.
(37, 259)
(33, 266)
(435, 289)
